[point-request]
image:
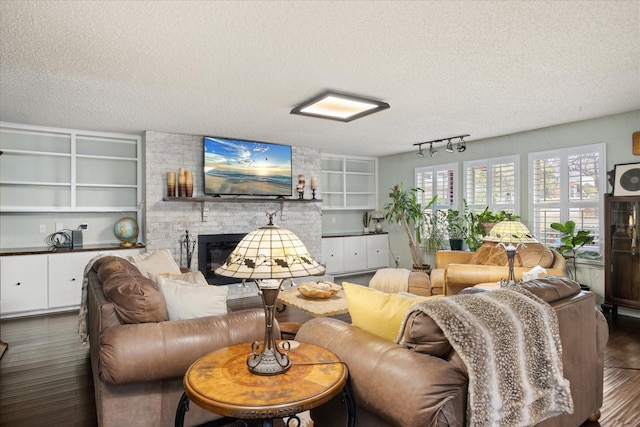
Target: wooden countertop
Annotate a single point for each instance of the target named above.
(85, 248)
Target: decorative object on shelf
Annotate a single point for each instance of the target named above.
(300, 186)
(171, 184)
(510, 235)
(314, 186)
(572, 240)
(188, 186)
(318, 290)
(269, 255)
(182, 183)
(187, 246)
(461, 146)
(377, 216)
(126, 230)
(366, 220)
(627, 180)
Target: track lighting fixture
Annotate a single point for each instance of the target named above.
(460, 147)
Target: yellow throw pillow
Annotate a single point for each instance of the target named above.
(378, 312)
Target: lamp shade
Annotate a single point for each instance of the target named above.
(270, 252)
(510, 231)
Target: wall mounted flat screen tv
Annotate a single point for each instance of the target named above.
(246, 168)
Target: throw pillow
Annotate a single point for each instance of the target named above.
(158, 261)
(535, 254)
(135, 298)
(195, 278)
(376, 311)
(186, 301)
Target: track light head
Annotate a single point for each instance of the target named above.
(461, 145)
(449, 146)
(432, 152)
(420, 153)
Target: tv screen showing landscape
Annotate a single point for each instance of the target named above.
(251, 168)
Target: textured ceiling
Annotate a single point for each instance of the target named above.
(237, 68)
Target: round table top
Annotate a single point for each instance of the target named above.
(221, 383)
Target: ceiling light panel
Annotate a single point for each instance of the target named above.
(337, 106)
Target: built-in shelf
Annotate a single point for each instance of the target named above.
(238, 200)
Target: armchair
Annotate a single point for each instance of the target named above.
(456, 270)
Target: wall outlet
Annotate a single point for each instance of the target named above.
(43, 228)
(333, 220)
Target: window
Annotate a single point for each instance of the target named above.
(492, 183)
(436, 180)
(440, 180)
(567, 184)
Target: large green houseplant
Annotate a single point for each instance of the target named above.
(572, 240)
(404, 209)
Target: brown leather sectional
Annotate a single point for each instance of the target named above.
(396, 386)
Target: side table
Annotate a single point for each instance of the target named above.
(220, 382)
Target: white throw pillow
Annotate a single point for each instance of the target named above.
(195, 278)
(158, 261)
(186, 301)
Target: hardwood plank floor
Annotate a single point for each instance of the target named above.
(45, 376)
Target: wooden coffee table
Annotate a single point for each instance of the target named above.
(337, 304)
(220, 382)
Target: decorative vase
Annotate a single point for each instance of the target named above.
(188, 183)
(171, 184)
(366, 230)
(182, 183)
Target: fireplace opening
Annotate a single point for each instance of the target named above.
(213, 250)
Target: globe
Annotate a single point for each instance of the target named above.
(126, 230)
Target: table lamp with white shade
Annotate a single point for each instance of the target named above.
(269, 255)
(510, 235)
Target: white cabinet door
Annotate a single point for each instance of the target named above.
(24, 283)
(333, 254)
(377, 251)
(66, 272)
(355, 253)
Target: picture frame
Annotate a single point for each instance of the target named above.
(636, 143)
(627, 180)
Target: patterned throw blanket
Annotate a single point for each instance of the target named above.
(510, 343)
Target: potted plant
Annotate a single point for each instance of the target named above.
(572, 240)
(456, 229)
(434, 237)
(405, 210)
(475, 223)
(366, 220)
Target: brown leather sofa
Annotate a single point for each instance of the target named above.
(456, 270)
(396, 386)
(138, 368)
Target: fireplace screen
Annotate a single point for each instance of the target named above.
(213, 250)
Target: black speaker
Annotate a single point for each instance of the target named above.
(76, 239)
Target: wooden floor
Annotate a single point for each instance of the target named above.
(45, 377)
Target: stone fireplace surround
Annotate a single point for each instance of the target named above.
(166, 222)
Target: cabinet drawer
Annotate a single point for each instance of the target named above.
(24, 283)
(66, 272)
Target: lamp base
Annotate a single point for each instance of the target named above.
(268, 360)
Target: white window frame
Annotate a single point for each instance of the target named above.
(565, 204)
(489, 163)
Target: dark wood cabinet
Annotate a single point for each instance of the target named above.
(622, 252)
